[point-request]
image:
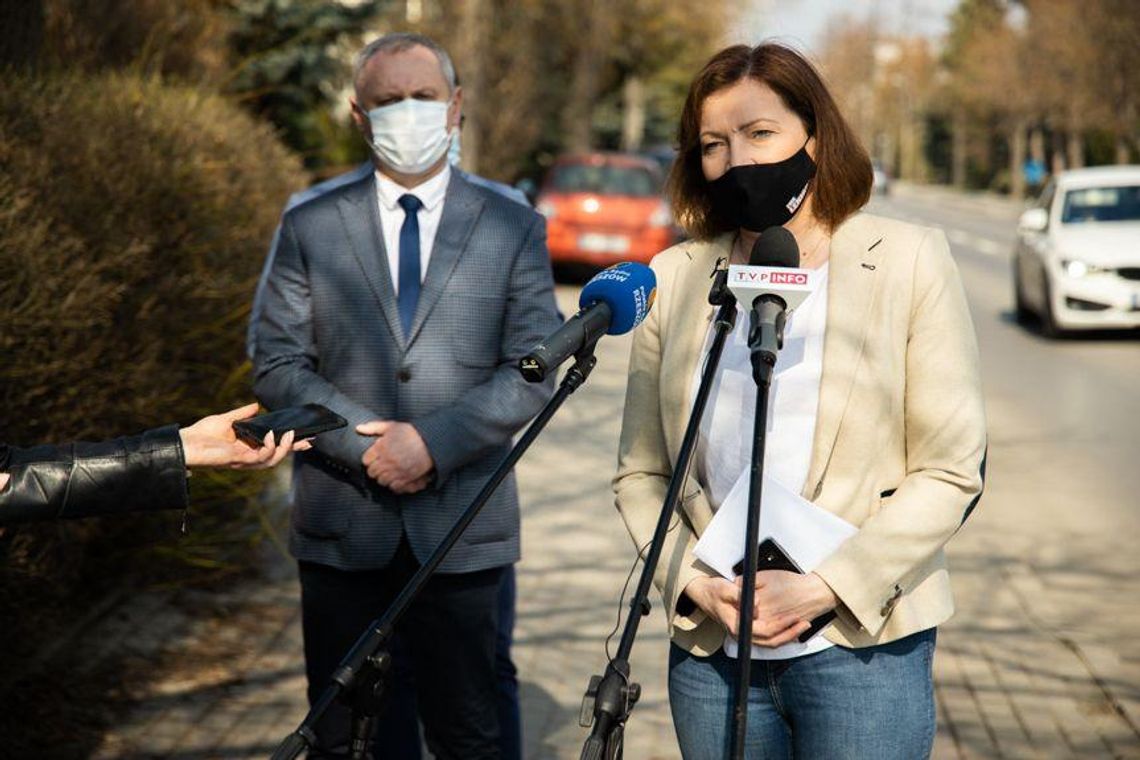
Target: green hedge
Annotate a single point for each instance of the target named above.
(134, 218)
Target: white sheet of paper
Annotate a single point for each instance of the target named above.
(806, 532)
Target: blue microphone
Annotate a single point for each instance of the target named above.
(614, 302)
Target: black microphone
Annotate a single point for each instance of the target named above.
(614, 301)
(775, 248)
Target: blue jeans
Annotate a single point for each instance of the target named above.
(875, 703)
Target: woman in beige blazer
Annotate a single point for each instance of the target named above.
(891, 439)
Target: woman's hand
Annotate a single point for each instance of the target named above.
(3, 480)
(211, 442)
(719, 598)
(785, 603)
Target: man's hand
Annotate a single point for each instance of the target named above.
(398, 459)
(3, 480)
(785, 605)
(211, 442)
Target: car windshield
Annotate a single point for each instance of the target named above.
(604, 179)
(1102, 204)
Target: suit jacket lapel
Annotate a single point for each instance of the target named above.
(359, 210)
(461, 208)
(853, 286)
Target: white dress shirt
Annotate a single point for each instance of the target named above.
(392, 216)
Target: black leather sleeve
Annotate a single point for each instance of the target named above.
(139, 472)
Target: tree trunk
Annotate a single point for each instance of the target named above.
(578, 115)
(911, 139)
(23, 35)
(1123, 155)
(1058, 154)
(1037, 145)
(958, 148)
(633, 113)
(1075, 150)
(1017, 144)
(474, 22)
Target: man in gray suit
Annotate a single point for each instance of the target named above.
(403, 301)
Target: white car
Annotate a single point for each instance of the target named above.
(1077, 259)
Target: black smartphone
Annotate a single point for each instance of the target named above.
(305, 422)
(773, 557)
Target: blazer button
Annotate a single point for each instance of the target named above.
(404, 375)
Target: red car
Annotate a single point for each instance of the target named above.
(602, 208)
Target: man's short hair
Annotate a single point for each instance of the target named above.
(397, 42)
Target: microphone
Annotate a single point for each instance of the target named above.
(772, 285)
(773, 270)
(614, 302)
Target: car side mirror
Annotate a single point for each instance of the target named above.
(1033, 220)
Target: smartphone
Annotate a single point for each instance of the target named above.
(305, 422)
(773, 557)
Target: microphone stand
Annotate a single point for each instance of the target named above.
(610, 699)
(360, 679)
(765, 339)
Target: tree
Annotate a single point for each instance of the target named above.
(546, 76)
(886, 87)
(663, 43)
(1113, 26)
(849, 63)
(970, 20)
(23, 25)
(290, 65)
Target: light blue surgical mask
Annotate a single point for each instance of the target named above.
(410, 136)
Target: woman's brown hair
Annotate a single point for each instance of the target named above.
(842, 183)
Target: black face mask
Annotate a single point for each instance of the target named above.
(759, 196)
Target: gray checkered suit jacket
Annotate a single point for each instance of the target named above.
(328, 331)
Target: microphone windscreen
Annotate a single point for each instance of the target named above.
(776, 247)
(628, 288)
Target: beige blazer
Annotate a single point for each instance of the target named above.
(900, 437)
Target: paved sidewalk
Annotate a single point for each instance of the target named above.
(1040, 660)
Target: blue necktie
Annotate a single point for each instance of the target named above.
(409, 288)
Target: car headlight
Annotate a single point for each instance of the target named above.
(1076, 269)
(661, 217)
(546, 208)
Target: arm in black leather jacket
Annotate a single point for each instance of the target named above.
(145, 471)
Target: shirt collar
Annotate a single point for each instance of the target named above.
(430, 193)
